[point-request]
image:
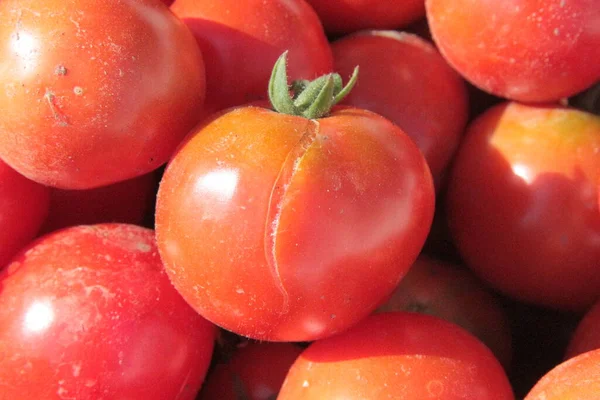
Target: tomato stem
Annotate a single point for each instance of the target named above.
(310, 99)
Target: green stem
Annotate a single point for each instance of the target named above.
(310, 99)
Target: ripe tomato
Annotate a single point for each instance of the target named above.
(526, 50)
(405, 79)
(100, 92)
(88, 313)
(288, 228)
(346, 16)
(241, 40)
(575, 379)
(397, 356)
(126, 202)
(254, 372)
(587, 335)
(523, 204)
(23, 208)
(452, 293)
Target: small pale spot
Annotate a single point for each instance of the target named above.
(78, 90)
(556, 31)
(305, 384)
(143, 247)
(240, 291)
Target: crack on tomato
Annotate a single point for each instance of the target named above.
(278, 197)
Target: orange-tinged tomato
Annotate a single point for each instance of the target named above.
(284, 228)
(397, 355)
(574, 379)
(453, 293)
(523, 203)
(523, 50)
(94, 91)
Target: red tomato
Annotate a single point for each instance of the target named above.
(526, 50)
(346, 16)
(255, 372)
(126, 202)
(398, 356)
(405, 79)
(23, 208)
(88, 313)
(522, 203)
(452, 293)
(575, 379)
(100, 92)
(283, 228)
(241, 40)
(587, 335)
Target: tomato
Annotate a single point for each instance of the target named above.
(126, 202)
(405, 79)
(23, 208)
(346, 16)
(523, 204)
(88, 313)
(102, 91)
(574, 379)
(240, 41)
(525, 50)
(587, 335)
(452, 293)
(283, 227)
(255, 372)
(397, 356)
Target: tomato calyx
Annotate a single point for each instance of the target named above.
(310, 99)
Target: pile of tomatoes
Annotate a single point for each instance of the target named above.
(299, 199)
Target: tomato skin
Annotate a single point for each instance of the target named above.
(281, 228)
(259, 367)
(397, 356)
(576, 378)
(522, 203)
(124, 202)
(89, 313)
(405, 79)
(81, 107)
(241, 40)
(451, 292)
(587, 334)
(347, 16)
(23, 209)
(527, 50)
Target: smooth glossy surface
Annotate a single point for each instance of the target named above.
(575, 379)
(398, 356)
(405, 79)
(524, 50)
(23, 209)
(88, 313)
(523, 203)
(453, 293)
(281, 228)
(94, 91)
(241, 40)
